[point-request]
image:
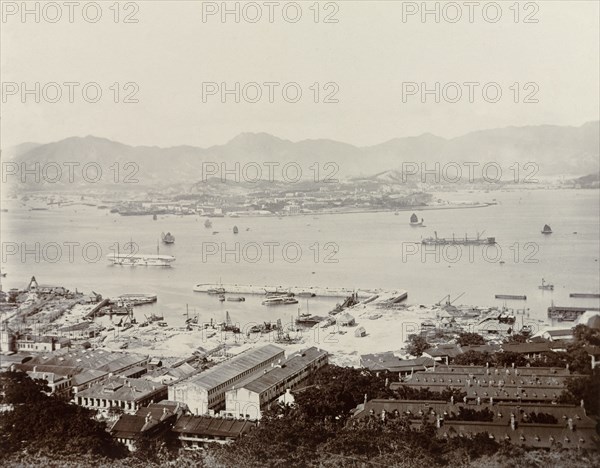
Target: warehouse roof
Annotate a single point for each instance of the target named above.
(288, 368)
(235, 366)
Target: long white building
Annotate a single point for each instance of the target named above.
(251, 397)
(205, 392)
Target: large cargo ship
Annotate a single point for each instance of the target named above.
(479, 240)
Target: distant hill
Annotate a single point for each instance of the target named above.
(556, 149)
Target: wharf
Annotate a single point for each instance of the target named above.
(567, 313)
(100, 305)
(298, 291)
(511, 297)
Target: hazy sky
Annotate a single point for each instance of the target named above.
(369, 53)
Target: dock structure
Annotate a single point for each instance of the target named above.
(92, 313)
(568, 313)
(512, 297)
(296, 290)
(584, 295)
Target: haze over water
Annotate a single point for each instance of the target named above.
(375, 250)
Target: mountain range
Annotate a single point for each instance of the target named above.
(557, 150)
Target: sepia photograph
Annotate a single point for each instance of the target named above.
(247, 234)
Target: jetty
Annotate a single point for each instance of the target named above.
(92, 313)
(312, 291)
(512, 297)
(585, 295)
(568, 313)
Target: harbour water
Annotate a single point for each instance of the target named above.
(366, 250)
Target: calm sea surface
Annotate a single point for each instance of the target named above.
(368, 250)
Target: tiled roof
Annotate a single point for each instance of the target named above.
(88, 359)
(206, 426)
(525, 348)
(122, 389)
(88, 376)
(573, 428)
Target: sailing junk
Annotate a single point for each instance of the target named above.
(168, 238)
(547, 229)
(414, 220)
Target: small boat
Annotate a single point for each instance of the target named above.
(154, 217)
(236, 299)
(168, 238)
(414, 220)
(279, 301)
(306, 294)
(547, 229)
(546, 286)
(219, 291)
(208, 223)
(235, 229)
(215, 232)
(222, 298)
(163, 324)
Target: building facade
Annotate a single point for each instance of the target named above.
(250, 399)
(205, 392)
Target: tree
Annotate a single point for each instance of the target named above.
(584, 388)
(17, 388)
(585, 335)
(476, 358)
(416, 345)
(40, 423)
(508, 358)
(517, 338)
(470, 339)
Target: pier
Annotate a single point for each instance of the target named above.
(567, 313)
(511, 297)
(298, 291)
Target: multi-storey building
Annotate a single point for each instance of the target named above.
(205, 392)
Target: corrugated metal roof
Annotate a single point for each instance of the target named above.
(234, 367)
(279, 374)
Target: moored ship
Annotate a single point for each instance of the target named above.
(141, 260)
(168, 238)
(479, 240)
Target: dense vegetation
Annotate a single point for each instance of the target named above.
(40, 423)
